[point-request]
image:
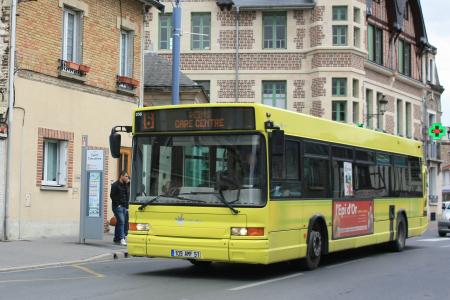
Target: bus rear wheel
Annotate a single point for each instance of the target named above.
(314, 249)
(400, 241)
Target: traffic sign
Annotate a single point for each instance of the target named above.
(437, 131)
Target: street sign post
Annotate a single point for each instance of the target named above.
(91, 208)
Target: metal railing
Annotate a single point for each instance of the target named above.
(65, 67)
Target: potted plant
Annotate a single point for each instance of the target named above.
(72, 65)
(84, 68)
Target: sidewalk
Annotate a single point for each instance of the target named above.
(24, 254)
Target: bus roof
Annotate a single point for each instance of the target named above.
(310, 127)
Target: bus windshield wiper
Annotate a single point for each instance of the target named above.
(220, 196)
(149, 202)
(227, 204)
(167, 196)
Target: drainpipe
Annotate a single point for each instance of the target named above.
(176, 17)
(236, 86)
(12, 60)
(141, 92)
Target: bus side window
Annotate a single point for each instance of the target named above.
(286, 174)
(316, 170)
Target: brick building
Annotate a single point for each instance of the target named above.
(355, 61)
(78, 72)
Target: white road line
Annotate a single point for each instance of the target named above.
(446, 246)
(345, 263)
(264, 282)
(433, 240)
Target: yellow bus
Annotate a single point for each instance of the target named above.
(249, 183)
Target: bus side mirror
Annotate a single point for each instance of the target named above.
(277, 142)
(114, 144)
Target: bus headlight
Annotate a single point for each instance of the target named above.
(247, 231)
(138, 226)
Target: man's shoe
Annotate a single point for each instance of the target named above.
(123, 242)
(117, 242)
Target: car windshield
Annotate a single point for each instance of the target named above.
(199, 170)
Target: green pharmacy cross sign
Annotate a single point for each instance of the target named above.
(437, 131)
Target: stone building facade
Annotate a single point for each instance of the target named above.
(334, 59)
(77, 74)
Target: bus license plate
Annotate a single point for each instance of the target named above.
(185, 253)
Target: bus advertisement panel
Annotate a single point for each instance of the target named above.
(352, 218)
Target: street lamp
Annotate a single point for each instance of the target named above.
(382, 106)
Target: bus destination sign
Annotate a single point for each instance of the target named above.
(196, 119)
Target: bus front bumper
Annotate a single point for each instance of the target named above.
(219, 250)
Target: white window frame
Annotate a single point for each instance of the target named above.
(76, 43)
(125, 55)
(61, 163)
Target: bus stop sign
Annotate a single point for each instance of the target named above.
(437, 131)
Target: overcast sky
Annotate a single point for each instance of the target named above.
(437, 22)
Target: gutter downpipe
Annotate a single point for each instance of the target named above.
(236, 92)
(141, 92)
(12, 66)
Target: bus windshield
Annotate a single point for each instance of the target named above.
(200, 170)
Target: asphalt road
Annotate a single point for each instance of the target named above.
(422, 271)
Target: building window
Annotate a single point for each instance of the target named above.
(406, 12)
(356, 15)
(399, 117)
(72, 31)
(404, 57)
(431, 71)
(339, 35)
(369, 107)
(201, 31)
(356, 37)
(355, 91)
(408, 126)
(339, 13)
(375, 44)
(205, 84)
(54, 163)
(126, 53)
(339, 111)
(165, 31)
(274, 30)
(274, 93)
(339, 87)
(355, 112)
(379, 115)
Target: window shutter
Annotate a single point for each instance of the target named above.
(130, 58)
(62, 175)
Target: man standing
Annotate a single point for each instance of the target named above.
(120, 195)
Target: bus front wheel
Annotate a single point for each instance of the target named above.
(314, 249)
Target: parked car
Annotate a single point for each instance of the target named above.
(444, 222)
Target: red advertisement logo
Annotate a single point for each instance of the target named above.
(352, 218)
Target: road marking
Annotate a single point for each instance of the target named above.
(345, 263)
(264, 282)
(446, 246)
(89, 271)
(43, 279)
(433, 240)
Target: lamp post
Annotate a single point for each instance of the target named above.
(382, 106)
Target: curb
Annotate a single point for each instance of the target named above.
(114, 255)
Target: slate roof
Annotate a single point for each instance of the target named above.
(158, 72)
